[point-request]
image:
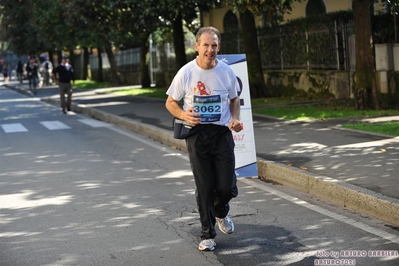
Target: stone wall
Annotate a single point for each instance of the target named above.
(285, 82)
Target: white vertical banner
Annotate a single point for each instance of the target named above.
(245, 152)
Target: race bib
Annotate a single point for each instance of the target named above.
(208, 106)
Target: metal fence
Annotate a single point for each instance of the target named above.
(287, 48)
(161, 58)
(130, 57)
(282, 48)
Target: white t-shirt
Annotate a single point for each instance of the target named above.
(208, 90)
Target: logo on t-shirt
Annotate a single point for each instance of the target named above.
(202, 89)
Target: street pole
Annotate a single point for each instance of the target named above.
(150, 58)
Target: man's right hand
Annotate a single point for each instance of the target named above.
(190, 117)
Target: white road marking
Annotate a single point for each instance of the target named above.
(54, 125)
(20, 100)
(12, 128)
(338, 217)
(94, 123)
(376, 143)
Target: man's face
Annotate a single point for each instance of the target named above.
(207, 48)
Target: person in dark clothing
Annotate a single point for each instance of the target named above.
(63, 75)
(20, 71)
(32, 70)
(46, 69)
(5, 73)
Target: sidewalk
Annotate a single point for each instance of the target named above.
(349, 168)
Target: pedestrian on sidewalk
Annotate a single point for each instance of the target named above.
(46, 68)
(209, 88)
(5, 73)
(63, 75)
(32, 70)
(20, 71)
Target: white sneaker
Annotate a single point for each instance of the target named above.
(207, 245)
(225, 224)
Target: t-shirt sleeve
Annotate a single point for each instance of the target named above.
(235, 86)
(176, 88)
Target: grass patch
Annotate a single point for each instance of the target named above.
(143, 92)
(269, 106)
(388, 128)
(299, 97)
(268, 101)
(276, 100)
(88, 84)
(321, 111)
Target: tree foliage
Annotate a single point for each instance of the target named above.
(33, 27)
(21, 34)
(273, 12)
(119, 23)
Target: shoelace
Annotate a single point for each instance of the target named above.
(212, 242)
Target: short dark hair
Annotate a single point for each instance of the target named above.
(208, 30)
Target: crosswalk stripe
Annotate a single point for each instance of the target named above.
(54, 125)
(11, 128)
(94, 123)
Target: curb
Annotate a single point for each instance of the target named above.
(335, 191)
(20, 90)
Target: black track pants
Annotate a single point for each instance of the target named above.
(212, 160)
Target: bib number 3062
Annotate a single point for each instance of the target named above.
(209, 107)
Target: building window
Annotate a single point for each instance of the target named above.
(315, 7)
(230, 22)
(230, 36)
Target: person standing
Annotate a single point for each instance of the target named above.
(20, 71)
(63, 75)
(5, 73)
(47, 68)
(210, 89)
(32, 70)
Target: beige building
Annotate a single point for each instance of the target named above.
(337, 80)
(223, 17)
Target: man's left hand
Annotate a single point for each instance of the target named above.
(235, 125)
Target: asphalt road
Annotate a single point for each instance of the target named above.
(78, 191)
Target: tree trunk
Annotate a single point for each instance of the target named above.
(178, 41)
(250, 40)
(145, 47)
(59, 55)
(86, 58)
(116, 80)
(51, 57)
(366, 95)
(100, 75)
(71, 57)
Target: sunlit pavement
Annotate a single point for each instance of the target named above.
(349, 168)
